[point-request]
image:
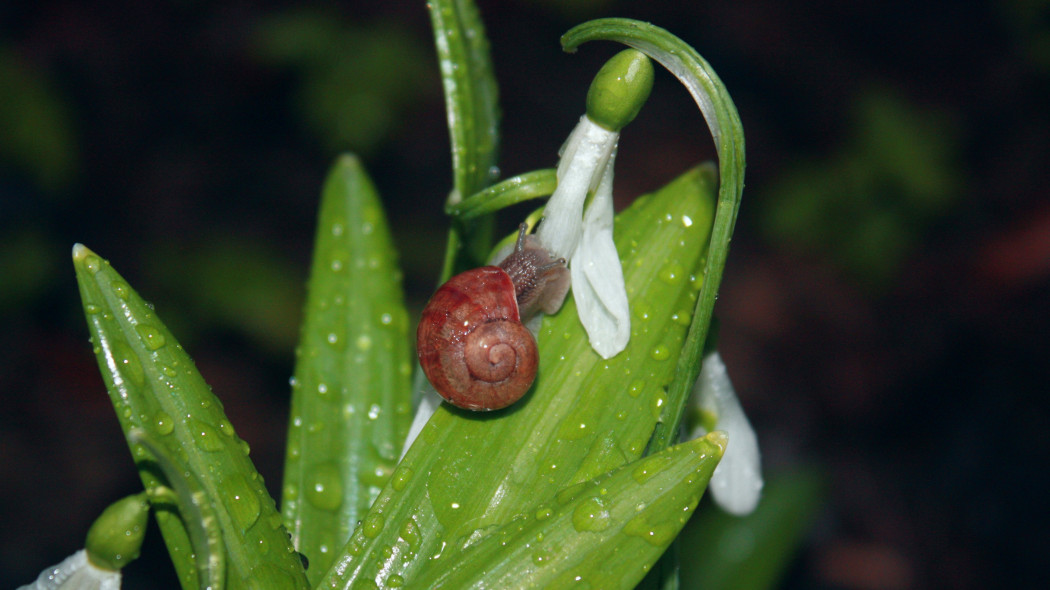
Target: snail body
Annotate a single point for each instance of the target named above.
(471, 340)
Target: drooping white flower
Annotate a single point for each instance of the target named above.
(578, 226)
(736, 484)
(76, 573)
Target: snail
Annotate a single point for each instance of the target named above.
(471, 340)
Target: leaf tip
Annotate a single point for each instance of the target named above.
(720, 439)
(80, 252)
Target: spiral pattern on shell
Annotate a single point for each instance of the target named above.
(471, 342)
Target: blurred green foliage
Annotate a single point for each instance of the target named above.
(357, 79)
(1030, 21)
(752, 552)
(869, 204)
(235, 283)
(29, 268)
(37, 138)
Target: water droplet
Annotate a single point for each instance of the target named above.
(375, 475)
(660, 534)
(673, 273)
(128, 364)
(92, 308)
(322, 389)
(121, 289)
(374, 411)
(373, 525)
(324, 486)
(364, 342)
(225, 427)
(642, 310)
(367, 228)
(696, 281)
(660, 352)
(275, 520)
(543, 513)
(163, 422)
(682, 317)
(591, 516)
(337, 229)
(386, 319)
(93, 263)
(650, 467)
(150, 335)
(636, 387)
(687, 221)
(395, 581)
(542, 557)
(657, 404)
(333, 338)
(242, 501)
(401, 477)
(410, 532)
(205, 436)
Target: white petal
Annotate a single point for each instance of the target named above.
(597, 277)
(737, 481)
(75, 573)
(585, 156)
(428, 404)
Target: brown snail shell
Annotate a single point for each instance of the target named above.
(471, 342)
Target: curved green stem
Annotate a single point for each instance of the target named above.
(724, 123)
(521, 188)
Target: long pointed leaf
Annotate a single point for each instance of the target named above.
(468, 473)
(620, 522)
(470, 93)
(471, 102)
(351, 394)
(155, 387)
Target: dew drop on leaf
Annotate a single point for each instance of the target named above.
(591, 516)
(163, 423)
(206, 437)
(324, 487)
(372, 525)
(151, 336)
(242, 502)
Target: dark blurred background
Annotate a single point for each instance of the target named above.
(884, 311)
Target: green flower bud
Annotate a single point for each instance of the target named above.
(115, 538)
(620, 89)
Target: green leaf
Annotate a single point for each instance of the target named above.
(188, 497)
(605, 533)
(351, 394)
(724, 123)
(470, 93)
(471, 102)
(469, 473)
(725, 552)
(518, 189)
(155, 388)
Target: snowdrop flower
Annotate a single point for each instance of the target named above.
(112, 542)
(578, 220)
(76, 573)
(737, 481)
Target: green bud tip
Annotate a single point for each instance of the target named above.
(620, 89)
(115, 538)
